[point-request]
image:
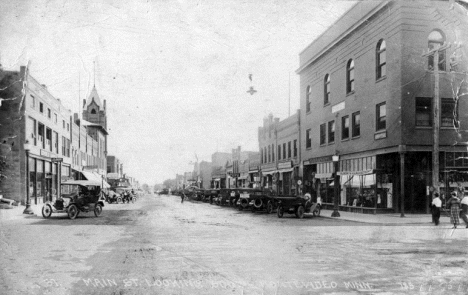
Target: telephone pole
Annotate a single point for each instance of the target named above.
(436, 115)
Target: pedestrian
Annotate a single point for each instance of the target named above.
(435, 208)
(464, 210)
(182, 196)
(454, 204)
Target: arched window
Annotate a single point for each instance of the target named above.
(350, 76)
(308, 97)
(326, 89)
(93, 111)
(435, 40)
(381, 58)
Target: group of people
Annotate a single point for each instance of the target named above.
(458, 208)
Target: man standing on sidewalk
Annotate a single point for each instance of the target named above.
(436, 205)
(464, 210)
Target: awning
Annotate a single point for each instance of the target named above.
(95, 177)
(269, 172)
(253, 171)
(285, 170)
(217, 179)
(361, 172)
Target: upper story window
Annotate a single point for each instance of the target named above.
(381, 116)
(49, 113)
(449, 113)
(41, 107)
(331, 131)
(261, 156)
(279, 151)
(93, 111)
(273, 152)
(308, 97)
(356, 124)
(33, 102)
(55, 118)
(289, 149)
(423, 111)
(350, 76)
(295, 147)
(381, 58)
(326, 89)
(269, 154)
(308, 139)
(435, 40)
(284, 150)
(344, 127)
(323, 134)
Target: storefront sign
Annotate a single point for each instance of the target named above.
(284, 165)
(318, 160)
(338, 107)
(45, 153)
(57, 159)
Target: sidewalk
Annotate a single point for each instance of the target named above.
(17, 212)
(392, 219)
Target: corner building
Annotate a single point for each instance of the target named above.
(367, 95)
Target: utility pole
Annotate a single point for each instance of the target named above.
(436, 115)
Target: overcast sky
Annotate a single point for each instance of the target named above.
(174, 73)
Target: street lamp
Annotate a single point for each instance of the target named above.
(336, 182)
(28, 209)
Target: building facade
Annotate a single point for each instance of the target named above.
(368, 96)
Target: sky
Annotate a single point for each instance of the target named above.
(175, 74)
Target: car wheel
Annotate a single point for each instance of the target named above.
(300, 212)
(317, 211)
(280, 211)
(119, 200)
(46, 211)
(269, 207)
(72, 211)
(97, 210)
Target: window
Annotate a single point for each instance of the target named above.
(63, 124)
(344, 127)
(381, 116)
(279, 151)
(356, 121)
(55, 118)
(273, 152)
(261, 156)
(423, 111)
(64, 145)
(49, 139)
(289, 149)
(448, 113)
(381, 58)
(284, 150)
(323, 134)
(265, 154)
(269, 154)
(295, 147)
(68, 127)
(33, 128)
(435, 40)
(33, 102)
(350, 76)
(326, 89)
(41, 132)
(49, 114)
(56, 144)
(308, 139)
(331, 131)
(93, 111)
(41, 107)
(308, 97)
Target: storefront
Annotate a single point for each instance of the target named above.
(43, 180)
(286, 180)
(253, 179)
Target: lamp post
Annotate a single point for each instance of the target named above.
(28, 209)
(336, 182)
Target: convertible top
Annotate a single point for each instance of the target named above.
(83, 182)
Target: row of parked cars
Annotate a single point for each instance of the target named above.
(253, 199)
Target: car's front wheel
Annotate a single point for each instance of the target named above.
(46, 211)
(300, 212)
(72, 211)
(280, 212)
(269, 207)
(97, 210)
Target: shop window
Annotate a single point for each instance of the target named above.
(448, 114)
(381, 59)
(279, 152)
(356, 124)
(331, 131)
(295, 148)
(381, 116)
(344, 127)
(323, 134)
(350, 76)
(308, 139)
(289, 149)
(326, 89)
(308, 98)
(436, 39)
(423, 111)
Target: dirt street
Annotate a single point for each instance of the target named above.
(160, 246)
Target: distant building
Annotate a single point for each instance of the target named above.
(219, 161)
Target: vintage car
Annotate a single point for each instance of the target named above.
(226, 196)
(297, 205)
(263, 201)
(247, 196)
(76, 196)
(210, 195)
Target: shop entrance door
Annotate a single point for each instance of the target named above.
(415, 194)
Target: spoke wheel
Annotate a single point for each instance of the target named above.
(280, 212)
(97, 210)
(72, 211)
(269, 207)
(300, 212)
(46, 211)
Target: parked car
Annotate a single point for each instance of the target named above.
(247, 196)
(76, 196)
(226, 196)
(264, 200)
(297, 205)
(210, 195)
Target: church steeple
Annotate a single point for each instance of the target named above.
(93, 96)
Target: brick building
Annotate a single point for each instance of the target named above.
(367, 95)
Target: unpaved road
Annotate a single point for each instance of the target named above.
(160, 246)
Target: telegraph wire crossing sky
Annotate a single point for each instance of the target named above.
(180, 77)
